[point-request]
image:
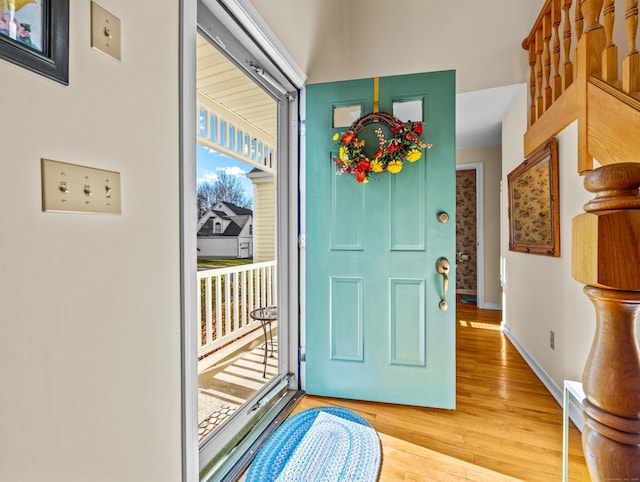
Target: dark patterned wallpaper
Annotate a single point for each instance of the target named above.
(466, 275)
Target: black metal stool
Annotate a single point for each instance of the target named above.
(265, 316)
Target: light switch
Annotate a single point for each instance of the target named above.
(105, 31)
(80, 189)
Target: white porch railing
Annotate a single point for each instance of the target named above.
(225, 299)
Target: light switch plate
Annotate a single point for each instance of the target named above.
(105, 31)
(79, 189)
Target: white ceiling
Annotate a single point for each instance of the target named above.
(479, 115)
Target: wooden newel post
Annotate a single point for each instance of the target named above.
(606, 257)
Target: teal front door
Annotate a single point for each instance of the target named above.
(374, 327)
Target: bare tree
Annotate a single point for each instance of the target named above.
(225, 188)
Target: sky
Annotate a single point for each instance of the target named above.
(210, 163)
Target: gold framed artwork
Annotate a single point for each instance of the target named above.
(534, 203)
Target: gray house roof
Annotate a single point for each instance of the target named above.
(237, 210)
(236, 222)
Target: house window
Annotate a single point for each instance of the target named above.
(218, 228)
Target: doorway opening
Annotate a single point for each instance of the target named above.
(237, 267)
(470, 233)
(218, 306)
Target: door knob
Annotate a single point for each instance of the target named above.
(443, 266)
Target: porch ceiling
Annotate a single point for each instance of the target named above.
(221, 81)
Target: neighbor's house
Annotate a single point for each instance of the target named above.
(226, 231)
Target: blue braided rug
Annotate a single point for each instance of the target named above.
(326, 444)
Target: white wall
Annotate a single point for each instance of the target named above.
(540, 294)
(90, 307)
(336, 40)
(222, 247)
(491, 158)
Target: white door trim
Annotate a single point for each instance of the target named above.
(479, 168)
(188, 245)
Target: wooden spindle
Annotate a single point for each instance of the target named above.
(546, 31)
(588, 60)
(539, 89)
(631, 63)
(605, 258)
(532, 84)
(566, 44)
(579, 19)
(591, 10)
(556, 13)
(610, 52)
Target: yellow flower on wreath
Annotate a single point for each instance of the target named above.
(343, 153)
(394, 167)
(336, 136)
(376, 166)
(414, 155)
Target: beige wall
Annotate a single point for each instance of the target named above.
(338, 40)
(90, 307)
(491, 158)
(540, 294)
(264, 226)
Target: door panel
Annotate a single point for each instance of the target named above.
(374, 329)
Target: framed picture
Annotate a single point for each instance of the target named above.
(534, 203)
(34, 34)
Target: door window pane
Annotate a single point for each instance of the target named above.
(346, 115)
(408, 110)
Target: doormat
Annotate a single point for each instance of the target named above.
(468, 299)
(326, 443)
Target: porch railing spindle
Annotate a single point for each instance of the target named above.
(208, 310)
(219, 314)
(227, 304)
(236, 301)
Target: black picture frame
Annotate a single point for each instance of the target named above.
(53, 61)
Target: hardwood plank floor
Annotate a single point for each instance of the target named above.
(506, 425)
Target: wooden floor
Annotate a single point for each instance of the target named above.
(506, 426)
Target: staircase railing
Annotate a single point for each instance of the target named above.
(583, 83)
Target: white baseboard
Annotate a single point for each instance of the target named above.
(465, 292)
(575, 409)
(490, 306)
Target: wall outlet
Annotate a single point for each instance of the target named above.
(552, 340)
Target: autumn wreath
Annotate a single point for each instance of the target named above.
(403, 144)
